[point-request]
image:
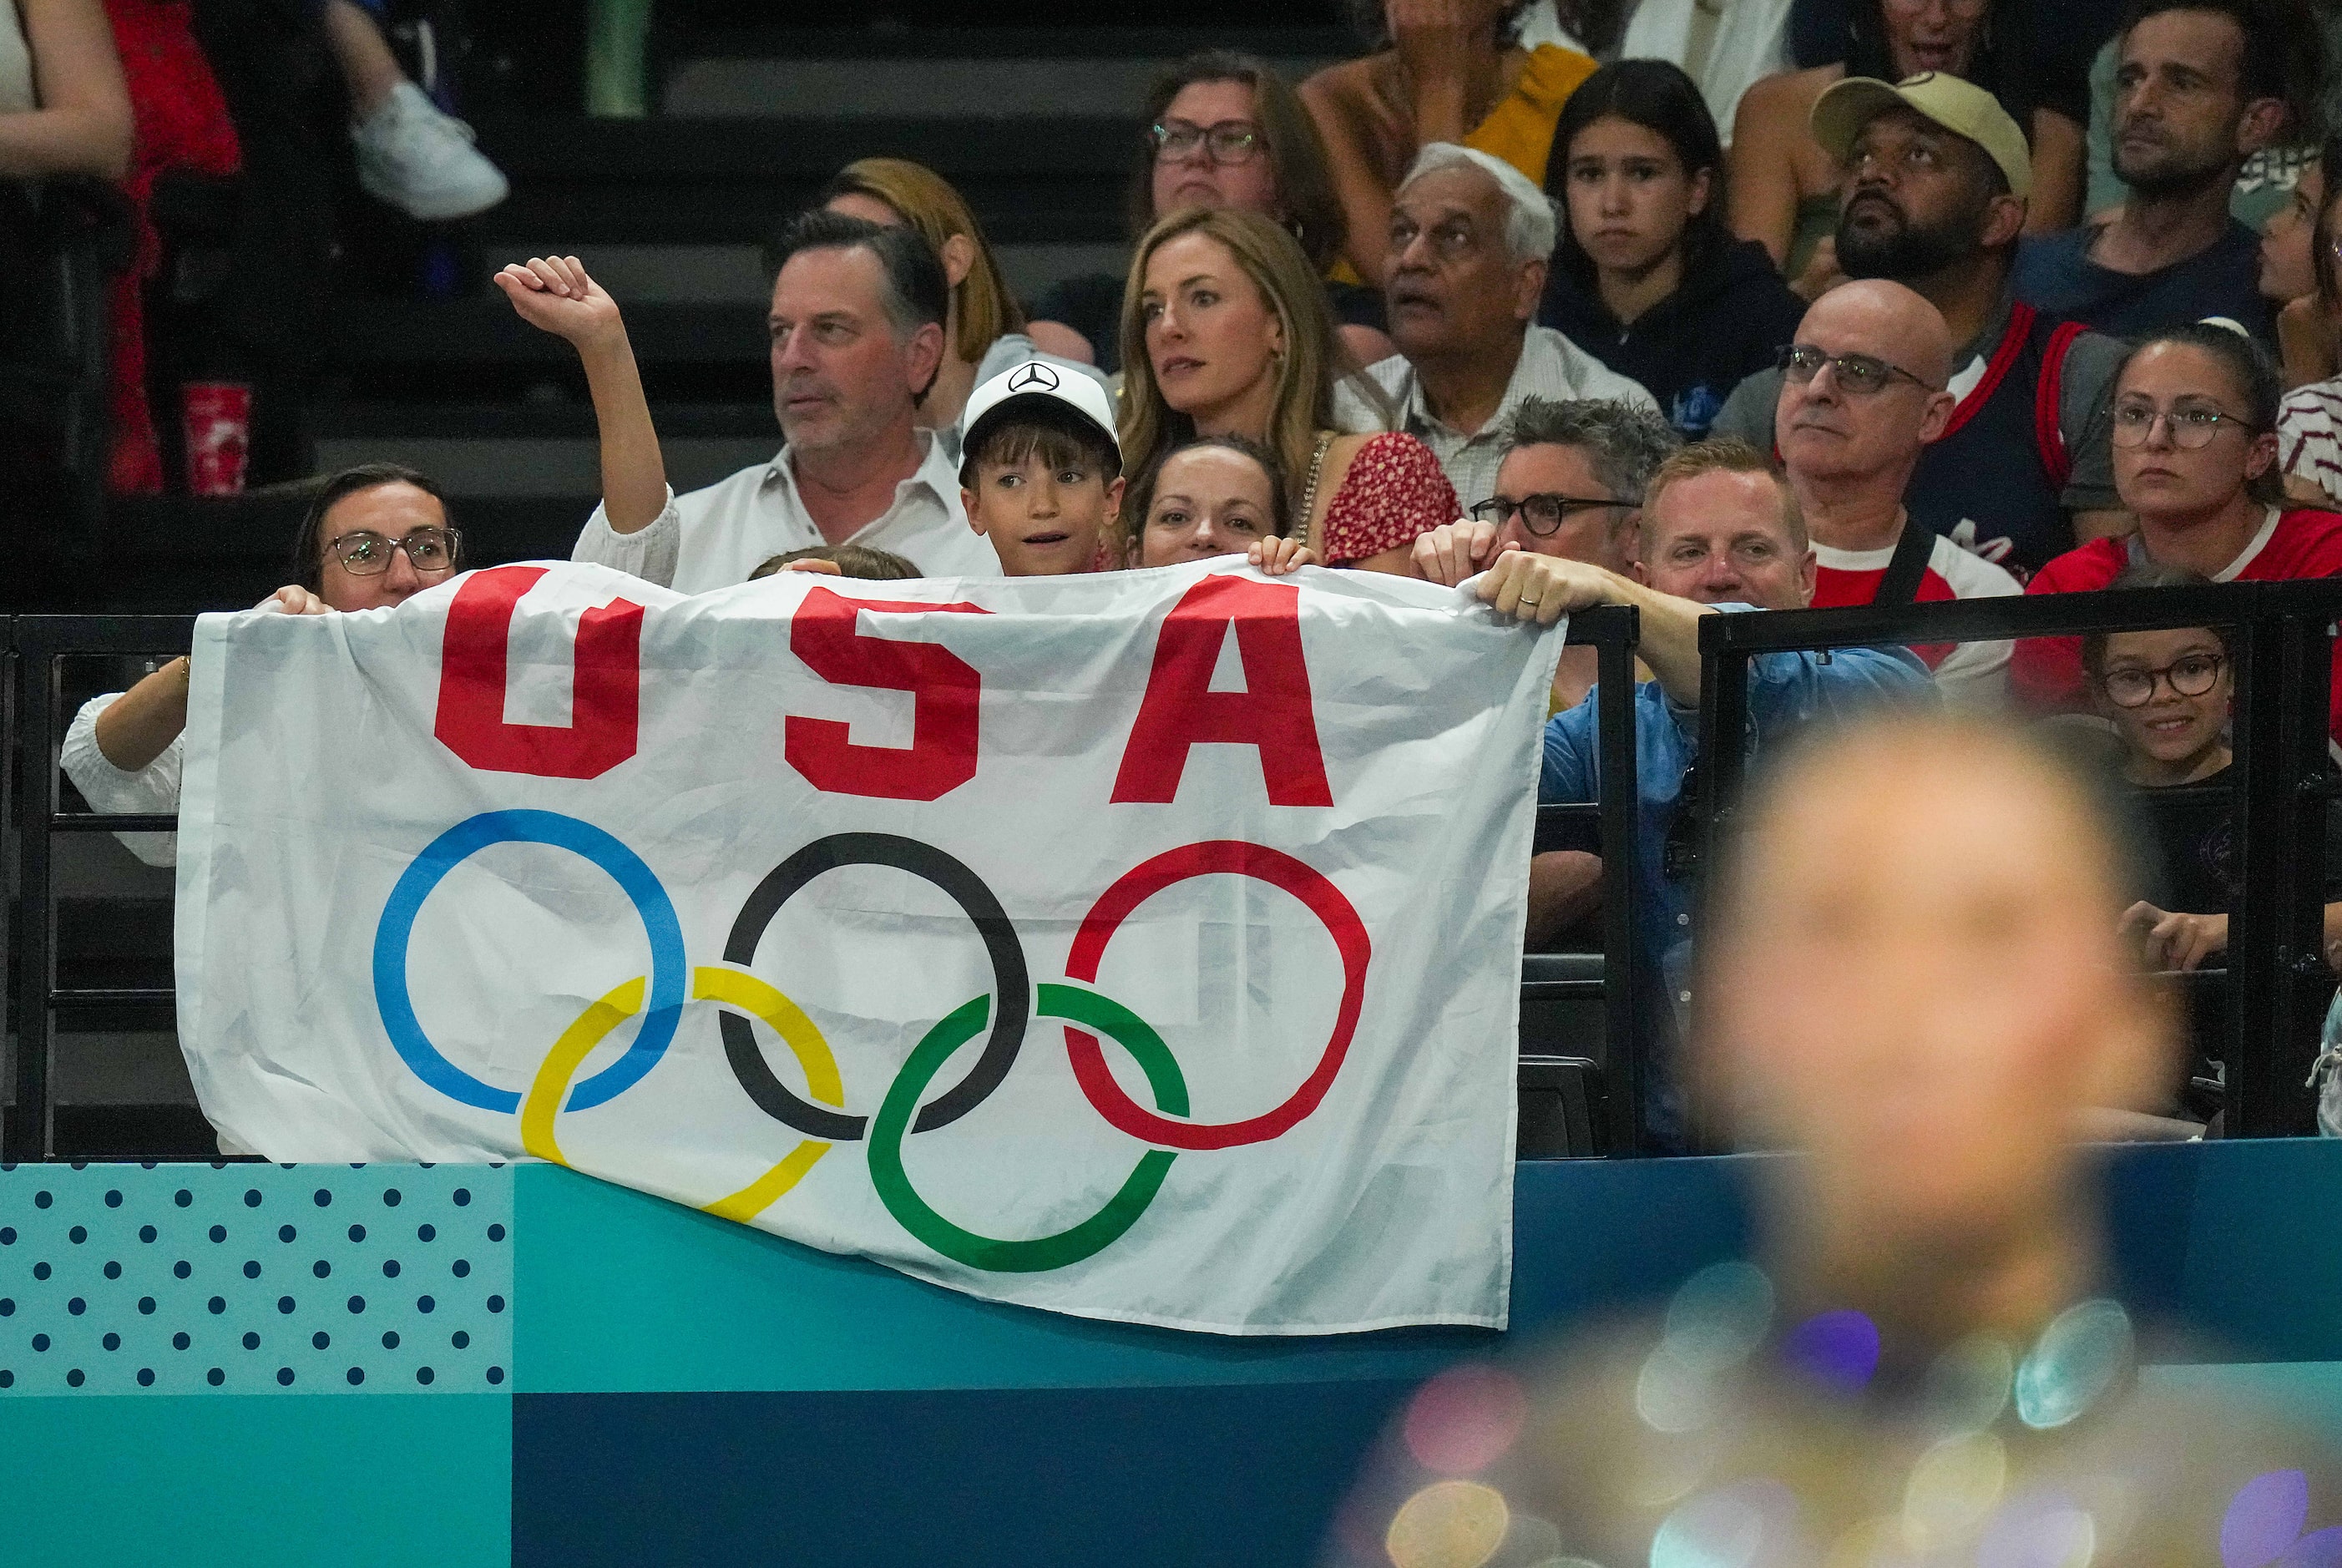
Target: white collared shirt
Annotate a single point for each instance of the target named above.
(1550, 366)
(714, 537)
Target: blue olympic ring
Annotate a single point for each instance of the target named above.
(669, 971)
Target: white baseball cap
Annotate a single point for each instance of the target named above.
(1031, 381)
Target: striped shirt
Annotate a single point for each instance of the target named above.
(2309, 435)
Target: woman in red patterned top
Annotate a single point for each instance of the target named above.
(1226, 330)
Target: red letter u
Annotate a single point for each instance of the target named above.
(606, 703)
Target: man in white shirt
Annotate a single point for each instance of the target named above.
(1863, 391)
(856, 324)
(1469, 239)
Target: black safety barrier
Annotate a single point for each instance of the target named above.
(1577, 1085)
(2277, 974)
(34, 726)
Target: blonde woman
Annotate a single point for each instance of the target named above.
(984, 332)
(1225, 331)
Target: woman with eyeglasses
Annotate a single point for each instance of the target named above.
(1223, 129)
(2195, 455)
(1646, 278)
(2169, 695)
(1224, 330)
(374, 538)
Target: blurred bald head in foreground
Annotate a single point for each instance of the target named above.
(1930, 1017)
(1912, 978)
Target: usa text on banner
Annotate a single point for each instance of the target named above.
(1143, 946)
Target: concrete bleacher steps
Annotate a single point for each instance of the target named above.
(1036, 126)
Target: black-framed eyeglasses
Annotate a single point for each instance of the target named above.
(2192, 429)
(1542, 513)
(363, 551)
(2190, 676)
(1860, 375)
(1679, 851)
(1228, 141)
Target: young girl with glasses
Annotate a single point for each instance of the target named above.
(2169, 694)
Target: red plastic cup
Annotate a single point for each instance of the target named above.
(218, 419)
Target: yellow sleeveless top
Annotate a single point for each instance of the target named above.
(1519, 129)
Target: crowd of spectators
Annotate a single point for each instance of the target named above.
(1497, 303)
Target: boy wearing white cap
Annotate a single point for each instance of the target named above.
(1040, 472)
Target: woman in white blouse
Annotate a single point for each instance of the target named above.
(374, 535)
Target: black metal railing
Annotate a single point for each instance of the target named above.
(1614, 1110)
(32, 728)
(2282, 783)
(32, 725)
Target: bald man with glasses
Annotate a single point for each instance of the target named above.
(1863, 391)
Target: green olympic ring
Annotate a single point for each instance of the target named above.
(1121, 1212)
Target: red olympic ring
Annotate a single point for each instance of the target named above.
(1142, 882)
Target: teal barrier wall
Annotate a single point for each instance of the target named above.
(255, 1364)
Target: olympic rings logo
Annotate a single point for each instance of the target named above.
(904, 1108)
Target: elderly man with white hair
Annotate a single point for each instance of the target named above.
(1469, 238)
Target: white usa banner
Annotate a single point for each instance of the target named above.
(1145, 946)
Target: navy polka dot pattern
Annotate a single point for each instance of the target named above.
(253, 1279)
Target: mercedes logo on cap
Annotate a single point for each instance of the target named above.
(1034, 376)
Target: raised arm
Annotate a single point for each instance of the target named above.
(2058, 155)
(140, 726)
(554, 294)
(1762, 164)
(1341, 100)
(83, 125)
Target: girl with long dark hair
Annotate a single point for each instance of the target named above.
(1646, 278)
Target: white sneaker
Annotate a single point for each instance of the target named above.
(421, 160)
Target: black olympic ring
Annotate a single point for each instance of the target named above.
(1009, 982)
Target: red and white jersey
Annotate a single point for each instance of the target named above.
(1967, 671)
(2291, 543)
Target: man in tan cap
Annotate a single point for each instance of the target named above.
(1935, 178)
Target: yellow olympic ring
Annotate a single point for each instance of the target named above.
(733, 989)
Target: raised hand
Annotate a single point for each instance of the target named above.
(554, 294)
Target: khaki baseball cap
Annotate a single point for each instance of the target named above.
(1961, 107)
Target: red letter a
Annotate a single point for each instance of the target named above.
(605, 701)
(1180, 709)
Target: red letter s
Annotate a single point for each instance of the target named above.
(941, 754)
(606, 702)
(1272, 713)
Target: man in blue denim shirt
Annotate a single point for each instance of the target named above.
(1719, 532)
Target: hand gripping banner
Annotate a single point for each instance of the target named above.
(1145, 946)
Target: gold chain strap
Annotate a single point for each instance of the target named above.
(1309, 493)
